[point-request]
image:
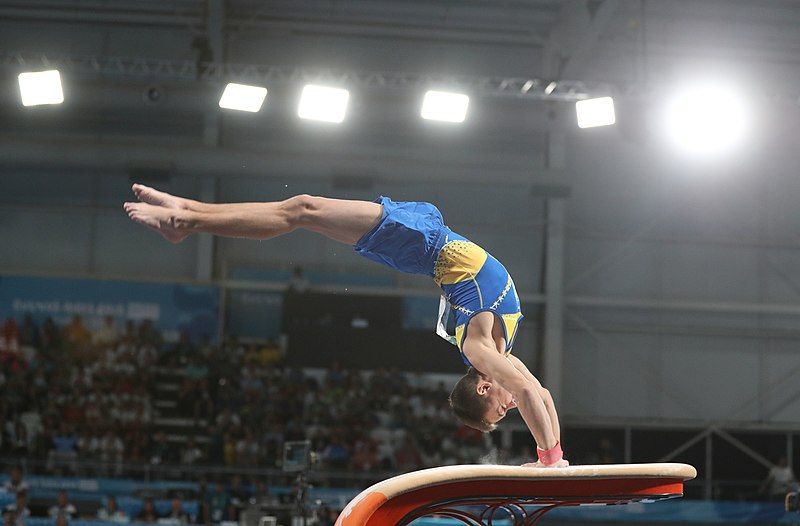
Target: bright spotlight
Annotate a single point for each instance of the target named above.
(242, 97)
(444, 106)
(321, 103)
(595, 112)
(41, 87)
(705, 119)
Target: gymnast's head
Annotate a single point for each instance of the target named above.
(480, 402)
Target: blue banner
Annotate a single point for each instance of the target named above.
(173, 308)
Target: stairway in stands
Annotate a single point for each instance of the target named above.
(168, 417)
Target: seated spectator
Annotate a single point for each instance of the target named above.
(148, 513)
(161, 451)
(250, 380)
(15, 434)
(239, 495)
(247, 450)
(112, 450)
(28, 333)
(18, 510)
(88, 444)
(9, 336)
(365, 457)
(217, 503)
(110, 512)
(326, 516)
(15, 481)
(76, 335)
(468, 436)
(215, 449)
(146, 356)
(63, 507)
(50, 335)
(263, 497)
(73, 408)
(107, 334)
(149, 334)
(191, 454)
(407, 456)
(176, 513)
(93, 411)
(10, 352)
(336, 454)
(64, 448)
(196, 370)
(229, 449)
(227, 419)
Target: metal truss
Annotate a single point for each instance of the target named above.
(187, 70)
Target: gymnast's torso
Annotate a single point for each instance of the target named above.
(412, 237)
(474, 281)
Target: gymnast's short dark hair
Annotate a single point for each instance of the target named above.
(468, 406)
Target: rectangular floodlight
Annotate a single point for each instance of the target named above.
(242, 97)
(321, 103)
(40, 87)
(595, 112)
(444, 106)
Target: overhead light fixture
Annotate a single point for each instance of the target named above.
(321, 103)
(40, 87)
(444, 106)
(242, 97)
(595, 112)
(705, 119)
(527, 86)
(551, 87)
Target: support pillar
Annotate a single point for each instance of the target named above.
(554, 297)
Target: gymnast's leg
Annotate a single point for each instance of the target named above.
(175, 217)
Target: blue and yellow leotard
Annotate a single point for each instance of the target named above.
(412, 237)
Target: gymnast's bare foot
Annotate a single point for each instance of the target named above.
(159, 218)
(155, 197)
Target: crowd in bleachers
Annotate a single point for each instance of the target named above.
(83, 401)
(69, 394)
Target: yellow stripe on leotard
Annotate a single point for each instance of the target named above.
(510, 321)
(458, 261)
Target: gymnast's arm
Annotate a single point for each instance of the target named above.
(481, 351)
(543, 392)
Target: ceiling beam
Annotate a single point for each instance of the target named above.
(573, 39)
(532, 88)
(391, 164)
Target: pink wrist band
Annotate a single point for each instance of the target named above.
(550, 456)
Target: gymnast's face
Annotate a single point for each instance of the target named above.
(499, 401)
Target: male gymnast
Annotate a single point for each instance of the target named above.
(410, 237)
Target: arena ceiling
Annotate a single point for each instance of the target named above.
(142, 78)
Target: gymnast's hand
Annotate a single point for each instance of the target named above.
(560, 464)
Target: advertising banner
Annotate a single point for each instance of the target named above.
(173, 308)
